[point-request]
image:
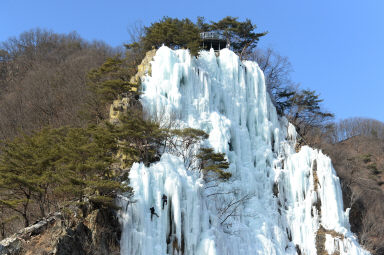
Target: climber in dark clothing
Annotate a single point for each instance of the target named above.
(165, 200)
(152, 209)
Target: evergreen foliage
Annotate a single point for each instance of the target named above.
(240, 35)
(177, 34)
(213, 162)
(107, 83)
(66, 163)
(190, 135)
(54, 168)
(184, 143)
(283, 99)
(173, 33)
(304, 111)
(28, 172)
(139, 139)
(301, 107)
(85, 165)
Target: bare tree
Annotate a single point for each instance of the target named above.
(231, 208)
(277, 72)
(347, 128)
(43, 79)
(135, 50)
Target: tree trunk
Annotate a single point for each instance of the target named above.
(26, 220)
(244, 48)
(25, 211)
(2, 230)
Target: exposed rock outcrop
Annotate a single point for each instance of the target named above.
(98, 233)
(121, 105)
(144, 68)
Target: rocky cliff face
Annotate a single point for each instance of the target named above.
(97, 231)
(121, 104)
(67, 234)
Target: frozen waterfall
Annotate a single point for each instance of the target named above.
(276, 202)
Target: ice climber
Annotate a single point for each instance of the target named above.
(165, 200)
(152, 209)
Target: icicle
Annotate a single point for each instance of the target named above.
(276, 202)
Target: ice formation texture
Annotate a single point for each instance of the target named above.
(276, 202)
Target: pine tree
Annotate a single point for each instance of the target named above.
(56, 166)
(184, 143)
(213, 162)
(27, 171)
(303, 109)
(86, 163)
(240, 35)
(173, 33)
(139, 139)
(107, 83)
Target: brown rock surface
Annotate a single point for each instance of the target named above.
(98, 233)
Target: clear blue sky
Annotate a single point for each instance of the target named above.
(335, 46)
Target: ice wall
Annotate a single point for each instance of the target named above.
(276, 202)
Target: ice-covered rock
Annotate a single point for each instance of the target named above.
(276, 202)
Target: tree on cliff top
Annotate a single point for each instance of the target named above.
(173, 33)
(177, 34)
(240, 35)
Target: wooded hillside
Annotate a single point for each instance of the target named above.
(58, 147)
